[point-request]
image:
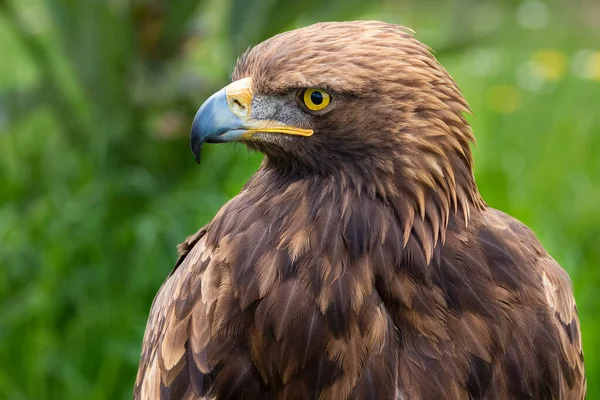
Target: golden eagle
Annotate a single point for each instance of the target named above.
(360, 261)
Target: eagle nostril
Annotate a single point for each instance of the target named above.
(238, 106)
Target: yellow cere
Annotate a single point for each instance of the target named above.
(316, 99)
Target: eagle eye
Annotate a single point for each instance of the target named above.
(315, 99)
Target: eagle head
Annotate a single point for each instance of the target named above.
(363, 102)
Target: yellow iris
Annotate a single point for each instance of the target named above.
(316, 99)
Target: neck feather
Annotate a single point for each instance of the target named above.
(366, 209)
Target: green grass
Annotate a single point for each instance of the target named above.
(97, 183)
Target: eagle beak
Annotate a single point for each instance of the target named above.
(226, 117)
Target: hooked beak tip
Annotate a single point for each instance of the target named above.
(197, 153)
(196, 139)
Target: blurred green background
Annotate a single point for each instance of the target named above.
(98, 185)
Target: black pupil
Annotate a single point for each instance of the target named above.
(316, 98)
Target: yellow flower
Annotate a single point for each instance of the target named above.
(551, 64)
(593, 66)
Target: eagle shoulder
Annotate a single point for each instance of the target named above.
(194, 332)
(548, 291)
(166, 335)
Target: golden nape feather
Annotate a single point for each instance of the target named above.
(360, 261)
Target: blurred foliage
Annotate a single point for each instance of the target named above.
(97, 183)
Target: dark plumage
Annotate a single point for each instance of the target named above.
(360, 261)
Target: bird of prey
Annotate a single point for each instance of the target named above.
(360, 261)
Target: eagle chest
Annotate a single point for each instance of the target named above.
(303, 295)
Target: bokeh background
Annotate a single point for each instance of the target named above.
(97, 183)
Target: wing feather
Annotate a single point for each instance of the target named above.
(167, 331)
